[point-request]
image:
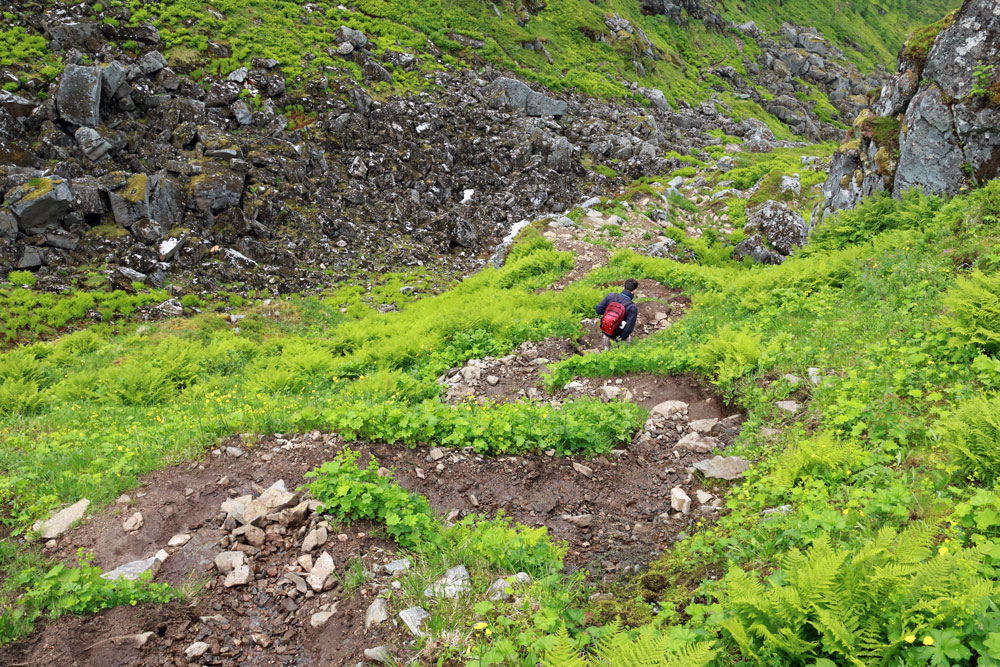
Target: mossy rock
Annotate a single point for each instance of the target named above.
(108, 231)
(39, 187)
(134, 191)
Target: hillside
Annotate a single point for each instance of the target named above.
(327, 387)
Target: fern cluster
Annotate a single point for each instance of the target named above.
(644, 647)
(820, 456)
(855, 607)
(974, 311)
(728, 355)
(972, 436)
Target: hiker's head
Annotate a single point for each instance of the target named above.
(631, 284)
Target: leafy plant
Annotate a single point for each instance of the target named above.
(972, 437)
(728, 355)
(624, 648)
(72, 590)
(854, 607)
(350, 492)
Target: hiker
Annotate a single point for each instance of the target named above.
(618, 313)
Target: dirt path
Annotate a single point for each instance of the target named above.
(614, 512)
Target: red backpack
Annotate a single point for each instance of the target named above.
(613, 318)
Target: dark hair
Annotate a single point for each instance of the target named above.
(631, 284)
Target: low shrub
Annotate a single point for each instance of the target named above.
(350, 492)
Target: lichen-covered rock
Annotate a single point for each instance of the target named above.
(754, 248)
(15, 105)
(79, 97)
(929, 154)
(129, 204)
(784, 228)
(40, 202)
(217, 189)
(972, 41)
(513, 95)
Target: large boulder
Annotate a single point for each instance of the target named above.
(15, 105)
(40, 202)
(783, 228)
(759, 137)
(656, 98)
(929, 154)
(79, 97)
(513, 95)
(216, 189)
(754, 248)
(130, 202)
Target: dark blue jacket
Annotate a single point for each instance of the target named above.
(631, 312)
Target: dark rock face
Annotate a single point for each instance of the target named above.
(79, 98)
(935, 125)
(929, 155)
(754, 248)
(513, 95)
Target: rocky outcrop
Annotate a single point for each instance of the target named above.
(935, 124)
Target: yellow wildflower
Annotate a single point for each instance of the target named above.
(480, 626)
(909, 639)
(928, 640)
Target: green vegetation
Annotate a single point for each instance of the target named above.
(31, 314)
(918, 44)
(51, 591)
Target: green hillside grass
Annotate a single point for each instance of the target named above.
(283, 30)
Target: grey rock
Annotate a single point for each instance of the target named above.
(698, 442)
(498, 589)
(929, 155)
(381, 654)
(315, 538)
(41, 204)
(668, 409)
(790, 184)
(679, 500)
(455, 581)
(31, 258)
(784, 228)
(414, 618)
(400, 60)
(112, 78)
(222, 93)
(132, 571)
(8, 225)
(584, 470)
(217, 189)
(355, 38)
(972, 40)
(377, 613)
(513, 95)
(152, 62)
(93, 145)
(263, 63)
(978, 128)
(320, 577)
(656, 98)
(241, 112)
(790, 407)
(15, 105)
(396, 566)
(60, 522)
(165, 201)
(723, 467)
(238, 75)
(79, 96)
(195, 650)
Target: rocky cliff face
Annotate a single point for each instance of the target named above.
(936, 123)
(163, 174)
